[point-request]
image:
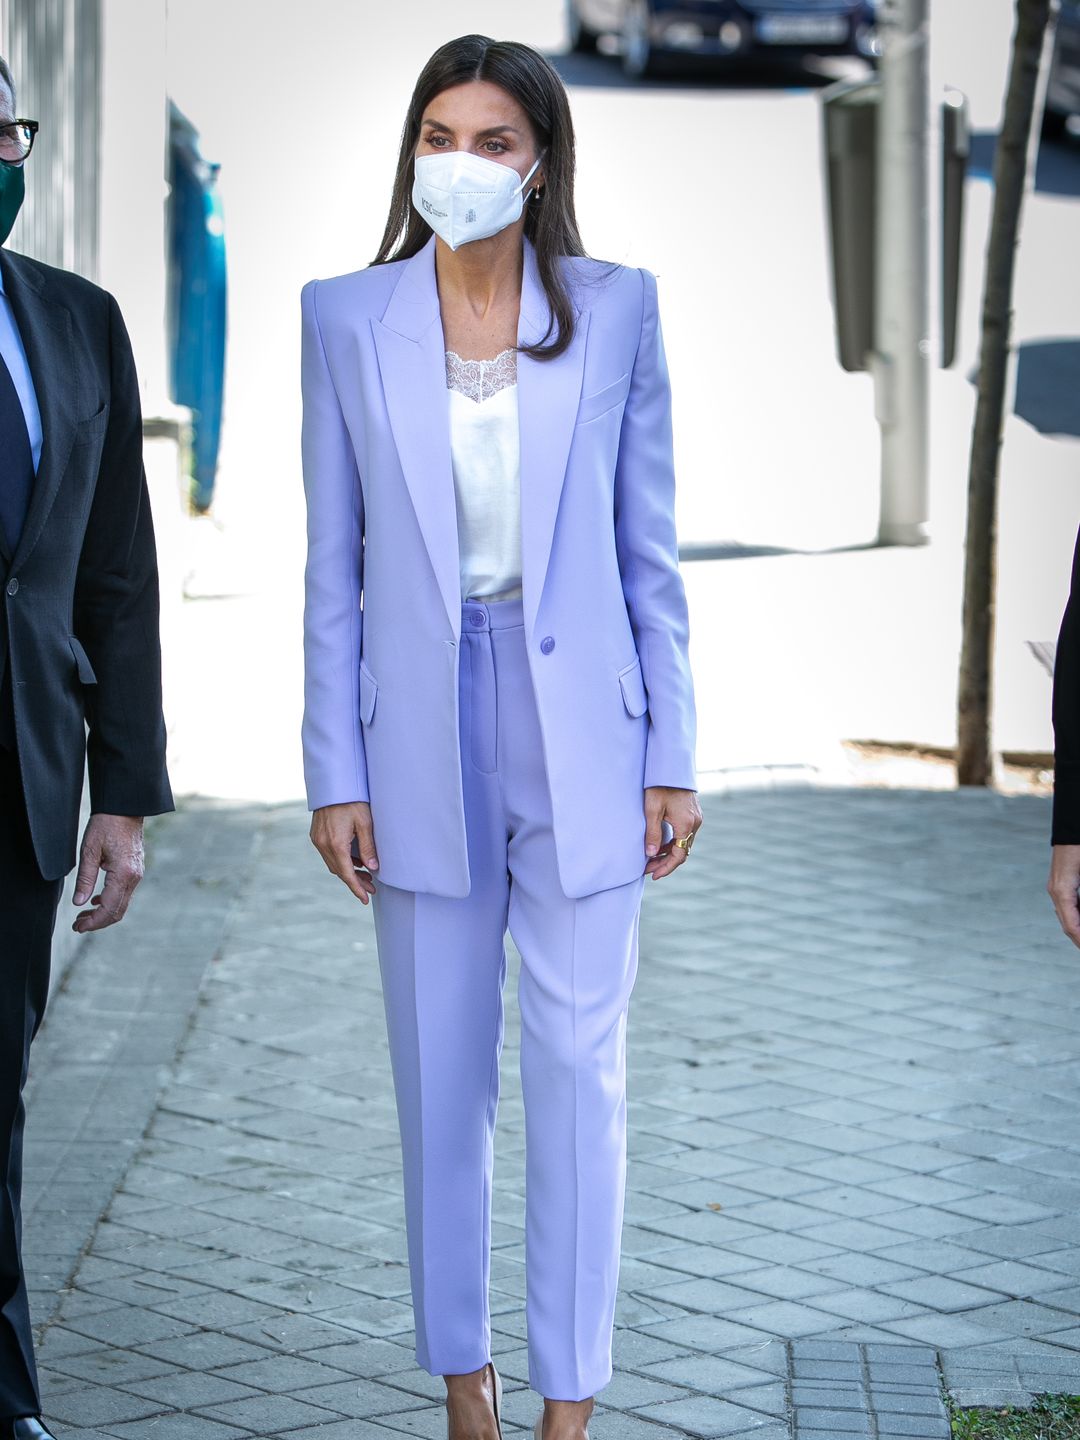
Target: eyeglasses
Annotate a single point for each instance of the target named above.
(17, 140)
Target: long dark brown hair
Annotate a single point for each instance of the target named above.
(550, 221)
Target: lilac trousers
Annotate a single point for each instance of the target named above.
(443, 964)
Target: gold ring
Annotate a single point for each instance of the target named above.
(686, 842)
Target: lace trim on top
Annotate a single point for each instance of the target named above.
(480, 379)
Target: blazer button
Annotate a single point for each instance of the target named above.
(547, 645)
(13, 586)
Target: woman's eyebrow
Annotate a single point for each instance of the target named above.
(491, 130)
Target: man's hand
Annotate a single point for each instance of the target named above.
(113, 843)
(1062, 887)
(681, 810)
(333, 829)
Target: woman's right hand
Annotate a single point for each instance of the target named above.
(333, 829)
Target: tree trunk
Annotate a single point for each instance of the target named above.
(973, 752)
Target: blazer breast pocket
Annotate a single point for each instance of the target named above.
(369, 691)
(601, 401)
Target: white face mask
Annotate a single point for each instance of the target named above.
(466, 197)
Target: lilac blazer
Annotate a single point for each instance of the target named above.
(605, 610)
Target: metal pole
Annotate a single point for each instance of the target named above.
(901, 359)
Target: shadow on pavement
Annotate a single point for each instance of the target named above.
(1047, 384)
(1057, 171)
(1047, 380)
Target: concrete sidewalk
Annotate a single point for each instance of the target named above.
(855, 1140)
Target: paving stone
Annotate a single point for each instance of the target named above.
(187, 1390)
(832, 1394)
(784, 1317)
(98, 1405)
(1013, 1278)
(269, 1412)
(337, 1430)
(703, 1416)
(705, 1332)
(866, 1305)
(360, 1399)
(895, 1402)
(988, 1393)
(861, 1270)
(771, 1399)
(815, 1420)
(128, 1326)
(925, 1427)
(812, 1369)
(825, 1350)
(106, 1367)
(199, 1350)
(282, 1373)
(944, 1331)
(901, 1374)
(179, 1427)
(786, 1282)
(940, 1293)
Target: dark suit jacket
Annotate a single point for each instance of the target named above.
(1065, 829)
(79, 632)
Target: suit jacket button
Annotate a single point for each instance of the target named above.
(13, 586)
(547, 645)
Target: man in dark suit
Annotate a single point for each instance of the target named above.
(78, 647)
(1065, 824)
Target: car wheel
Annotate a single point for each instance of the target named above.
(582, 39)
(638, 53)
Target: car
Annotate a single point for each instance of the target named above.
(651, 30)
(1063, 86)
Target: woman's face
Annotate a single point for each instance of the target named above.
(484, 119)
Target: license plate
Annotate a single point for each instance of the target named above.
(802, 29)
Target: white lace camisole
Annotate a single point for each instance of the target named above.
(485, 452)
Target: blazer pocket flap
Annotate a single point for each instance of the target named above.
(82, 662)
(633, 689)
(603, 400)
(90, 428)
(369, 689)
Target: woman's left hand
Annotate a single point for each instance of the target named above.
(681, 810)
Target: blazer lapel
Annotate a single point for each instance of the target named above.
(549, 392)
(412, 365)
(45, 327)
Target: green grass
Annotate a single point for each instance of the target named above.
(1051, 1417)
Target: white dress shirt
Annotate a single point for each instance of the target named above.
(14, 353)
(485, 451)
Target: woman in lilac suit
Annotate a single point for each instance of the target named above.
(499, 715)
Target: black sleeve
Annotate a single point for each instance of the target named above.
(1065, 829)
(117, 608)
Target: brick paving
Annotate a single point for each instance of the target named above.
(854, 1136)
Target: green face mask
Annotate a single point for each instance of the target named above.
(12, 191)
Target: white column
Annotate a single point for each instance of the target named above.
(901, 362)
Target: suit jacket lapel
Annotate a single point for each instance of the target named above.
(549, 392)
(45, 327)
(412, 364)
